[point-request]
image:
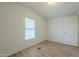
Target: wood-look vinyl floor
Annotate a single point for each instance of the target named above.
(49, 49)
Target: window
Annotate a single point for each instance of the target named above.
(29, 28)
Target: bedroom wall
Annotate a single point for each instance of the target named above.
(12, 37)
(78, 29)
(63, 30)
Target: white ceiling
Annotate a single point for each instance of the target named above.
(59, 10)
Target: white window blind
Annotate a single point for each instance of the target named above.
(29, 28)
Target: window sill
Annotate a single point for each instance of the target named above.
(30, 39)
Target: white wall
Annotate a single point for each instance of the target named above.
(12, 37)
(78, 29)
(56, 30)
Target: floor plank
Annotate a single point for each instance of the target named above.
(49, 49)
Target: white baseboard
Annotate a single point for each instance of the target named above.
(8, 54)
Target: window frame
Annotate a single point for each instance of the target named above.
(34, 29)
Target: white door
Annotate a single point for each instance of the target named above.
(56, 30)
(70, 31)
